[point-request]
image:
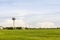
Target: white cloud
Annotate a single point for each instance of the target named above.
(21, 23)
(21, 15)
(6, 23)
(46, 24)
(18, 23)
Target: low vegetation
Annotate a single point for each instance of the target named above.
(36, 34)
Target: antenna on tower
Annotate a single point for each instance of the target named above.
(13, 22)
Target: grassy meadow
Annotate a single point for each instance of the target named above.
(41, 34)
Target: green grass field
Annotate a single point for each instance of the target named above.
(42, 34)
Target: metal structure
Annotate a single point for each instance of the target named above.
(13, 21)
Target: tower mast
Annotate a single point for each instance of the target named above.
(13, 21)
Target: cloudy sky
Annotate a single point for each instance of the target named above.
(40, 13)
